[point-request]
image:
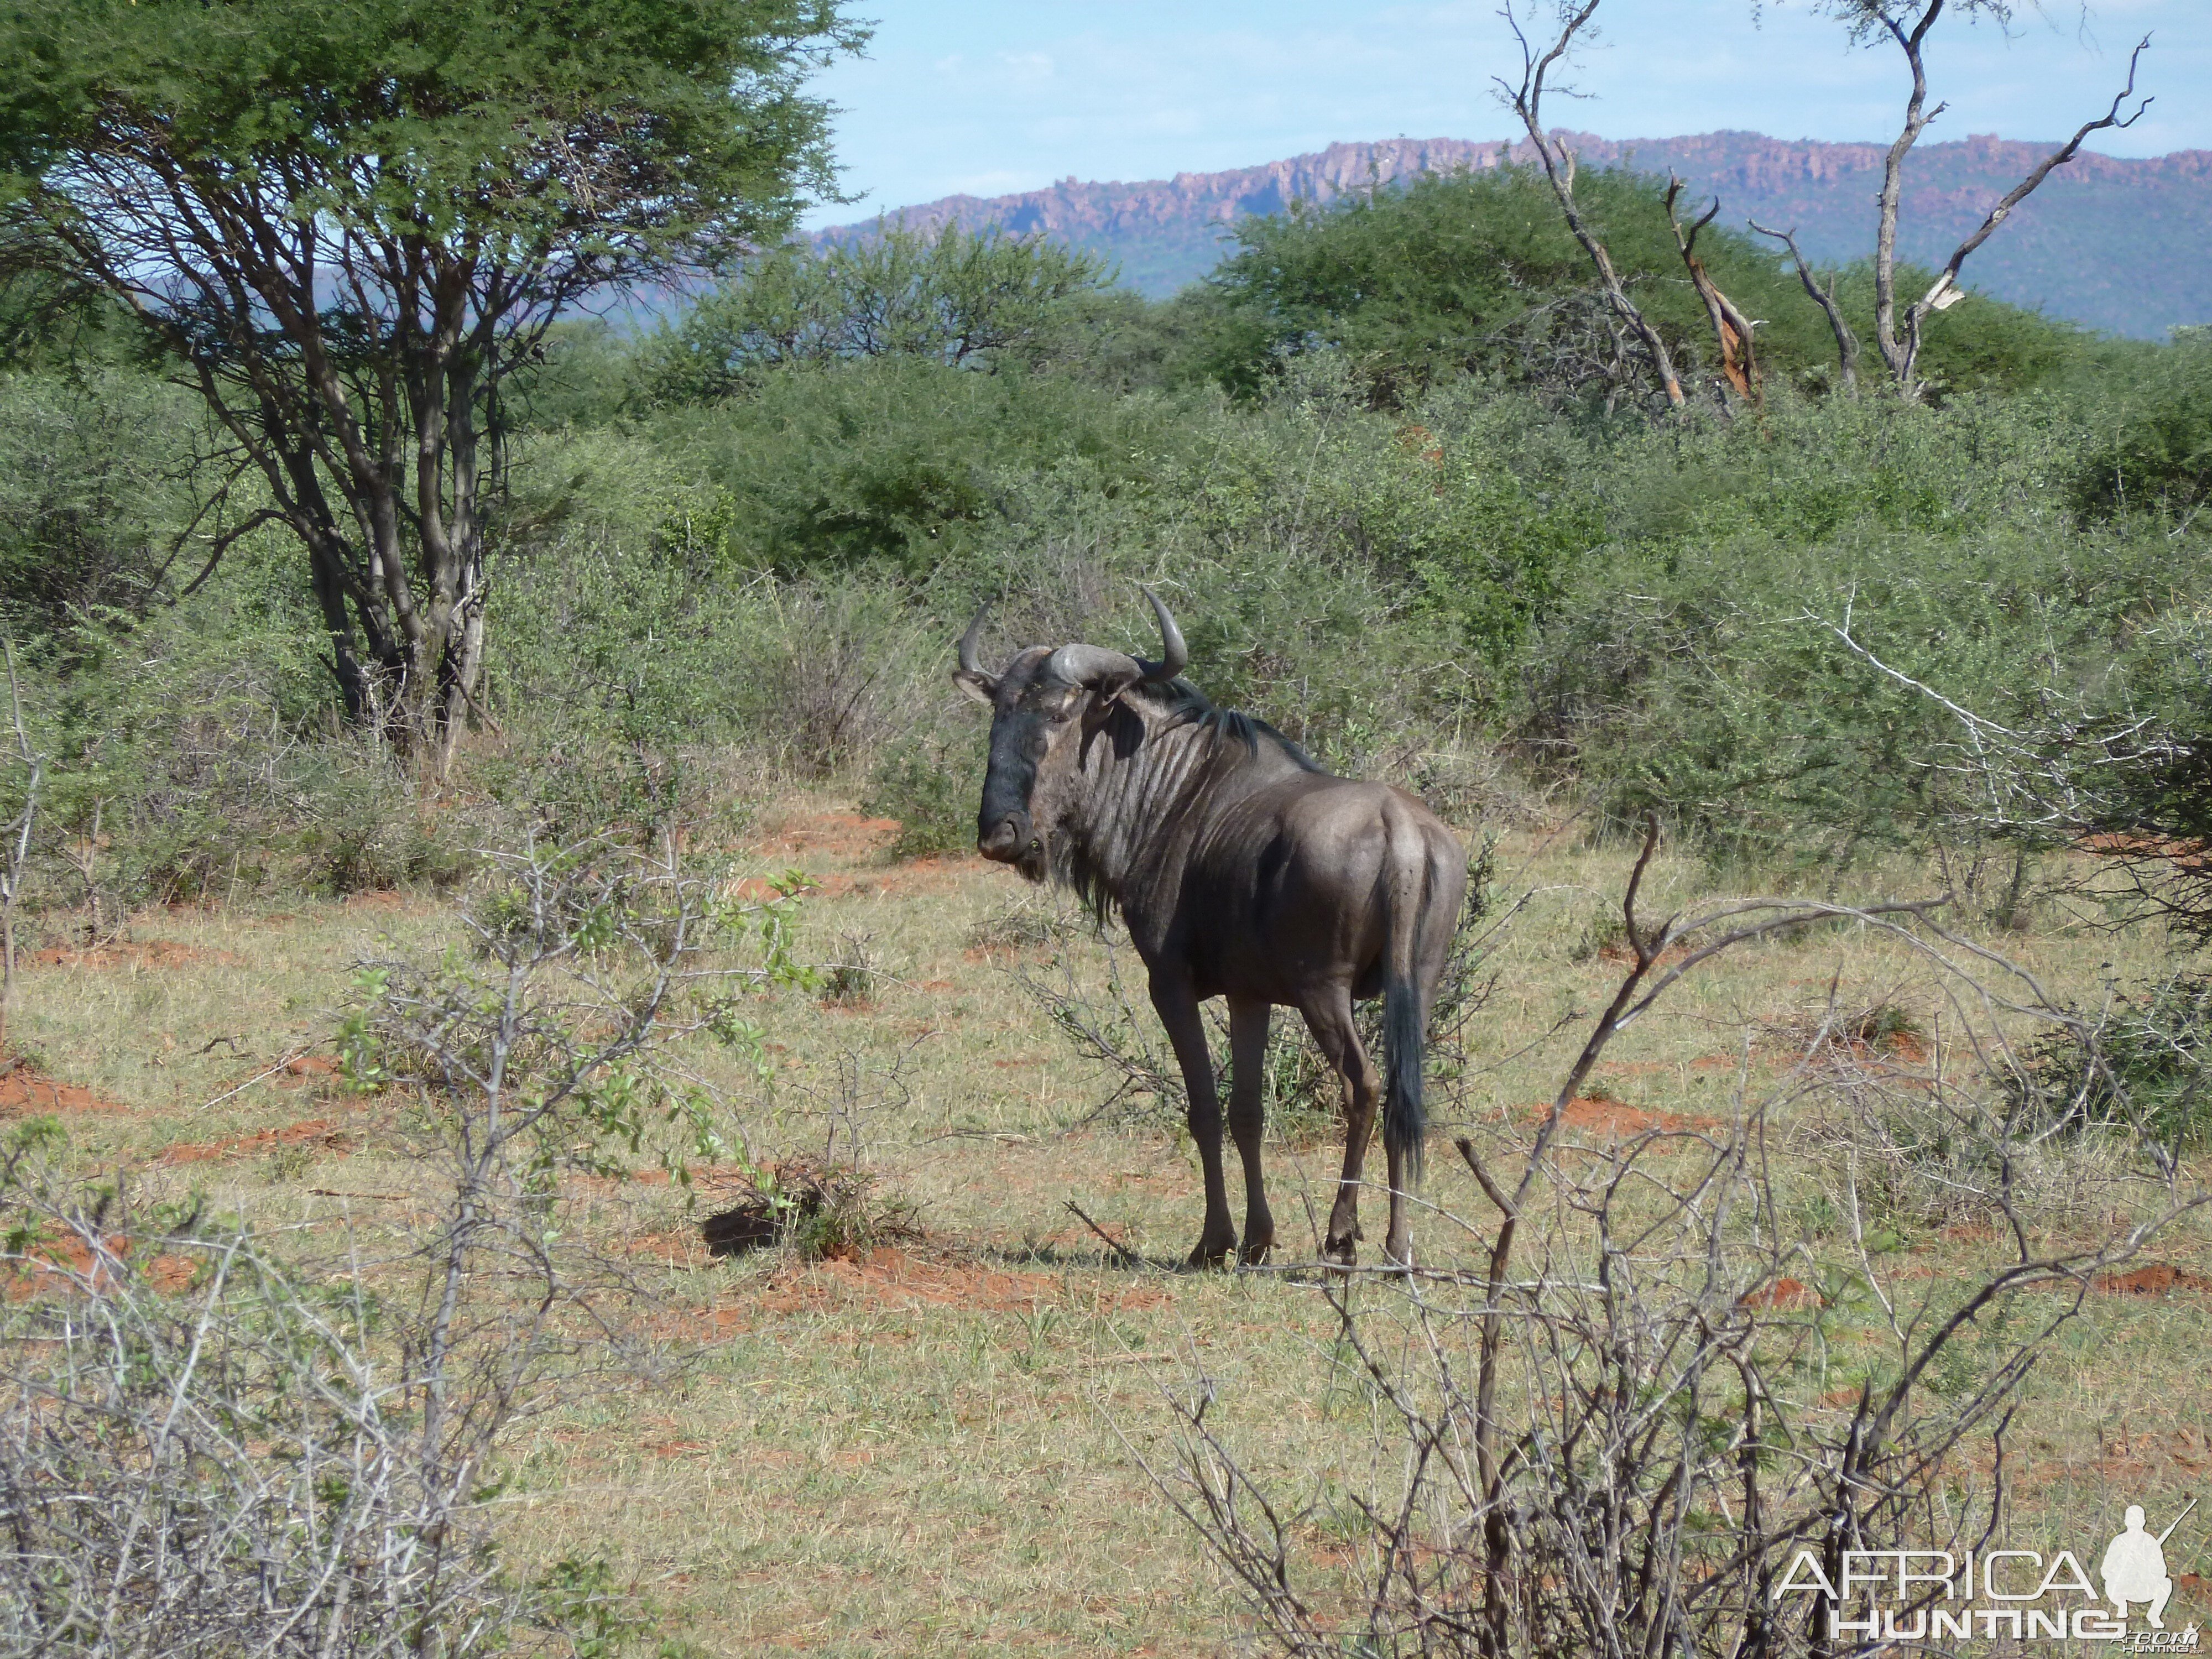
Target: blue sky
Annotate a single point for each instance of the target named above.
(988, 96)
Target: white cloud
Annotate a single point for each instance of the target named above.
(1027, 68)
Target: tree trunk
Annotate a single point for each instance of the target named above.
(1901, 355)
(1528, 101)
(1900, 345)
(1731, 328)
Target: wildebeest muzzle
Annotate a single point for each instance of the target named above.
(1004, 831)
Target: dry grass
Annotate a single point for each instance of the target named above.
(921, 1451)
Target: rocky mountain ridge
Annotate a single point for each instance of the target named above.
(2117, 243)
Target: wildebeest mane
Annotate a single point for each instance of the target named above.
(1074, 866)
(1187, 705)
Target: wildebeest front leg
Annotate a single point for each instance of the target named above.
(1178, 1010)
(1328, 1017)
(1248, 1048)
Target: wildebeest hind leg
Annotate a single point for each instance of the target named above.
(1178, 1010)
(1328, 1017)
(1248, 1048)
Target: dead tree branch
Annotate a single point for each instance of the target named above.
(1649, 1434)
(1900, 338)
(1731, 328)
(1847, 344)
(1527, 102)
(17, 853)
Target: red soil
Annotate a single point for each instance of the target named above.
(380, 899)
(307, 1069)
(170, 1272)
(842, 834)
(70, 1257)
(128, 953)
(849, 838)
(2189, 856)
(1781, 1295)
(22, 1091)
(1602, 1114)
(2157, 1280)
(2153, 1452)
(318, 1131)
(1901, 1046)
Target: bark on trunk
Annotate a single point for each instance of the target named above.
(1731, 328)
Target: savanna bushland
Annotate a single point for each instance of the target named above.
(568, 1149)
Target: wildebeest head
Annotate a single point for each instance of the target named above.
(1041, 707)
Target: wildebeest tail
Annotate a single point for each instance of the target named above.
(1405, 1035)
(1405, 1121)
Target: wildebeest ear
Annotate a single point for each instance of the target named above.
(1106, 696)
(984, 688)
(1109, 688)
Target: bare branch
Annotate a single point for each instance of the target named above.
(1898, 336)
(18, 845)
(1527, 102)
(1940, 292)
(1649, 1437)
(1847, 344)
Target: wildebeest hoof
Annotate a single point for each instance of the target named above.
(1254, 1251)
(1342, 1251)
(1213, 1253)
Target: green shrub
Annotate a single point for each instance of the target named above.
(92, 493)
(1476, 274)
(2145, 1069)
(1692, 666)
(2156, 446)
(931, 786)
(964, 298)
(903, 462)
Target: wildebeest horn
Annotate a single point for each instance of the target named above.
(1178, 653)
(972, 638)
(1088, 664)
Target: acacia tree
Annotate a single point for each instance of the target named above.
(345, 225)
(1907, 23)
(969, 299)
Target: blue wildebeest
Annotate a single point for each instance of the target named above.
(1243, 870)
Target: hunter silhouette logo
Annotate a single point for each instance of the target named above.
(1886, 1596)
(2134, 1567)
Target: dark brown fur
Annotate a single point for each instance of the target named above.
(1243, 870)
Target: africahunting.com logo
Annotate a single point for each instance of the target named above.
(1934, 1595)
